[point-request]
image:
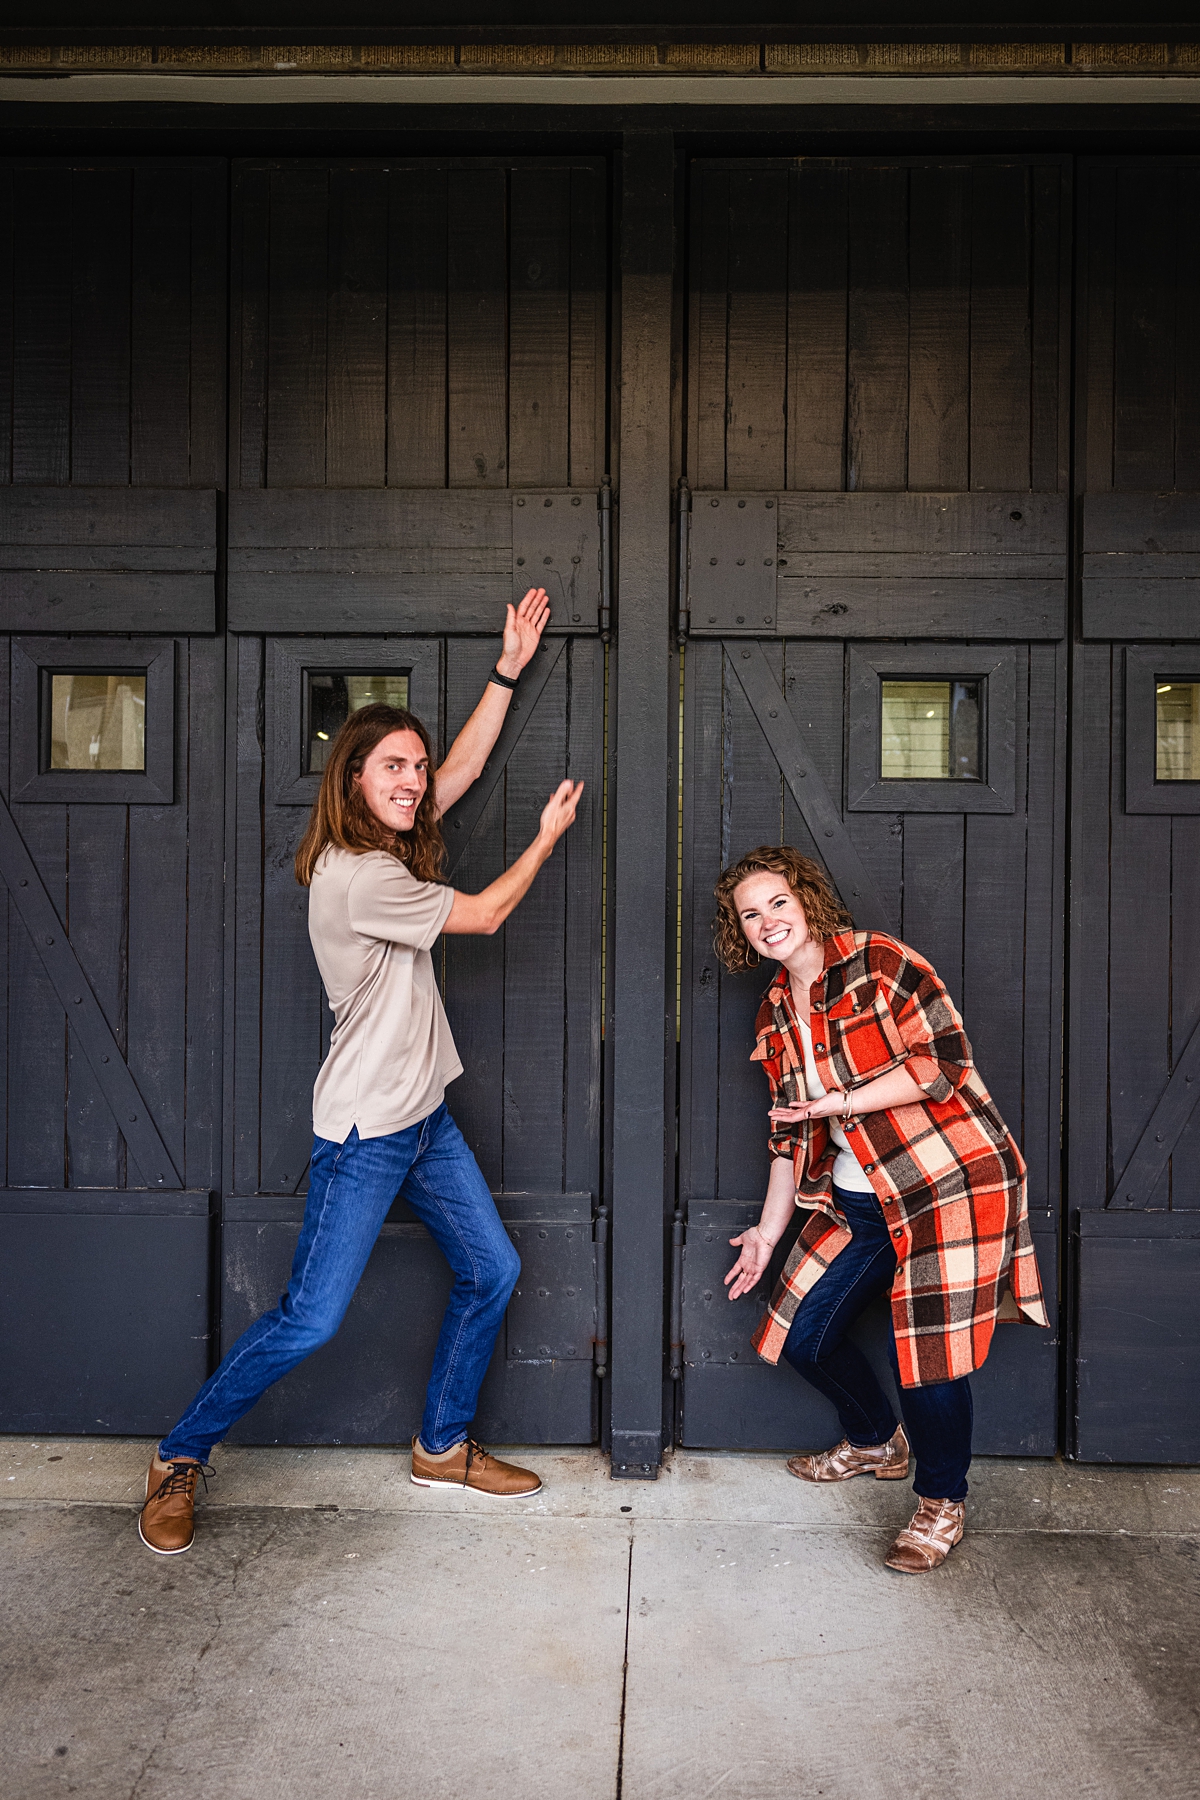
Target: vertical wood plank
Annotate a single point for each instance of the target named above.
(1185, 994)
(539, 327)
(534, 959)
(6, 321)
(100, 327)
(250, 327)
(206, 899)
(934, 875)
(818, 251)
(247, 837)
(7, 1013)
(709, 327)
(588, 327)
(210, 308)
(1042, 1011)
(299, 323)
(700, 1023)
(474, 966)
(1091, 789)
(477, 328)
(358, 286)
(1000, 328)
(41, 430)
(641, 1161)
(98, 894)
(417, 376)
(1050, 326)
(583, 877)
(877, 389)
(939, 328)
(756, 378)
(1187, 339)
(1144, 328)
(161, 329)
(1097, 262)
(37, 1033)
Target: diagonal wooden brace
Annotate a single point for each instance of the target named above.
(462, 819)
(1153, 1150)
(83, 1010)
(817, 808)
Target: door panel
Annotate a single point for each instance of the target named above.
(1136, 833)
(881, 391)
(421, 381)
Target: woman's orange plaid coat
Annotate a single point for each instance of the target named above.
(950, 1178)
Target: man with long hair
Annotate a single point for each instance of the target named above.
(370, 858)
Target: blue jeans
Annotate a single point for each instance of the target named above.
(937, 1419)
(351, 1189)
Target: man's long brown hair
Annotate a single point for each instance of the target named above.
(341, 817)
(807, 880)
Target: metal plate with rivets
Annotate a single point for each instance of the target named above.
(556, 545)
(732, 561)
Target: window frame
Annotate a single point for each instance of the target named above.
(1144, 669)
(993, 666)
(292, 659)
(34, 662)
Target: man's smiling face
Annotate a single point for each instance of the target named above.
(394, 779)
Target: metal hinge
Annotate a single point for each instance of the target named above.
(606, 500)
(683, 617)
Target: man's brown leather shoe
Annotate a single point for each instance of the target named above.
(469, 1465)
(886, 1462)
(929, 1537)
(166, 1523)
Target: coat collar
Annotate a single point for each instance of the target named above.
(838, 949)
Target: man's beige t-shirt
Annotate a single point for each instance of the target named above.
(372, 924)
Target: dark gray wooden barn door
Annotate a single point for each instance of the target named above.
(1135, 904)
(419, 429)
(877, 474)
(112, 383)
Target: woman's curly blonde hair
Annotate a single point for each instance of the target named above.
(807, 880)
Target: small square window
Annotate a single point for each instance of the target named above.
(333, 696)
(1162, 729)
(930, 731)
(931, 728)
(97, 720)
(1177, 730)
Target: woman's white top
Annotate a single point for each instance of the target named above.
(847, 1172)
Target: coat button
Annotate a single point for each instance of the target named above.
(819, 1050)
(851, 1126)
(897, 1232)
(868, 1168)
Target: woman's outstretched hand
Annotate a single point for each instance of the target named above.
(559, 811)
(747, 1271)
(523, 627)
(824, 1108)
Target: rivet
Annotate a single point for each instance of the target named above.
(575, 618)
(712, 562)
(547, 560)
(575, 500)
(741, 562)
(770, 504)
(547, 503)
(741, 503)
(829, 833)
(774, 714)
(745, 654)
(712, 619)
(520, 562)
(49, 940)
(133, 1118)
(714, 503)
(23, 883)
(520, 503)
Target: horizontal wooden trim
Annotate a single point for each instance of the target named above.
(1134, 1224)
(837, 607)
(187, 1203)
(56, 600)
(1145, 524)
(560, 1209)
(376, 603)
(354, 519)
(990, 528)
(883, 565)
(1141, 608)
(32, 518)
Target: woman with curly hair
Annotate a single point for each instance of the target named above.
(371, 859)
(881, 1127)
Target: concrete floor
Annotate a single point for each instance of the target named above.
(725, 1632)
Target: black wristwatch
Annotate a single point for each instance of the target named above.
(504, 681)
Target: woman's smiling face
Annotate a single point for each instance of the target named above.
(771, 916)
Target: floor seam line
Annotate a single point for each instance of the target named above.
(624, 1675)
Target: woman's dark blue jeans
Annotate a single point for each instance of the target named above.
(937, 1419)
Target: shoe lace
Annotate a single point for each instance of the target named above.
(474, 1451)
(180, 1479)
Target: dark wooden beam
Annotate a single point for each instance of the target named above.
(643, 830)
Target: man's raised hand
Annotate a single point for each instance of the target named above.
(523, 627)
(559, 811)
